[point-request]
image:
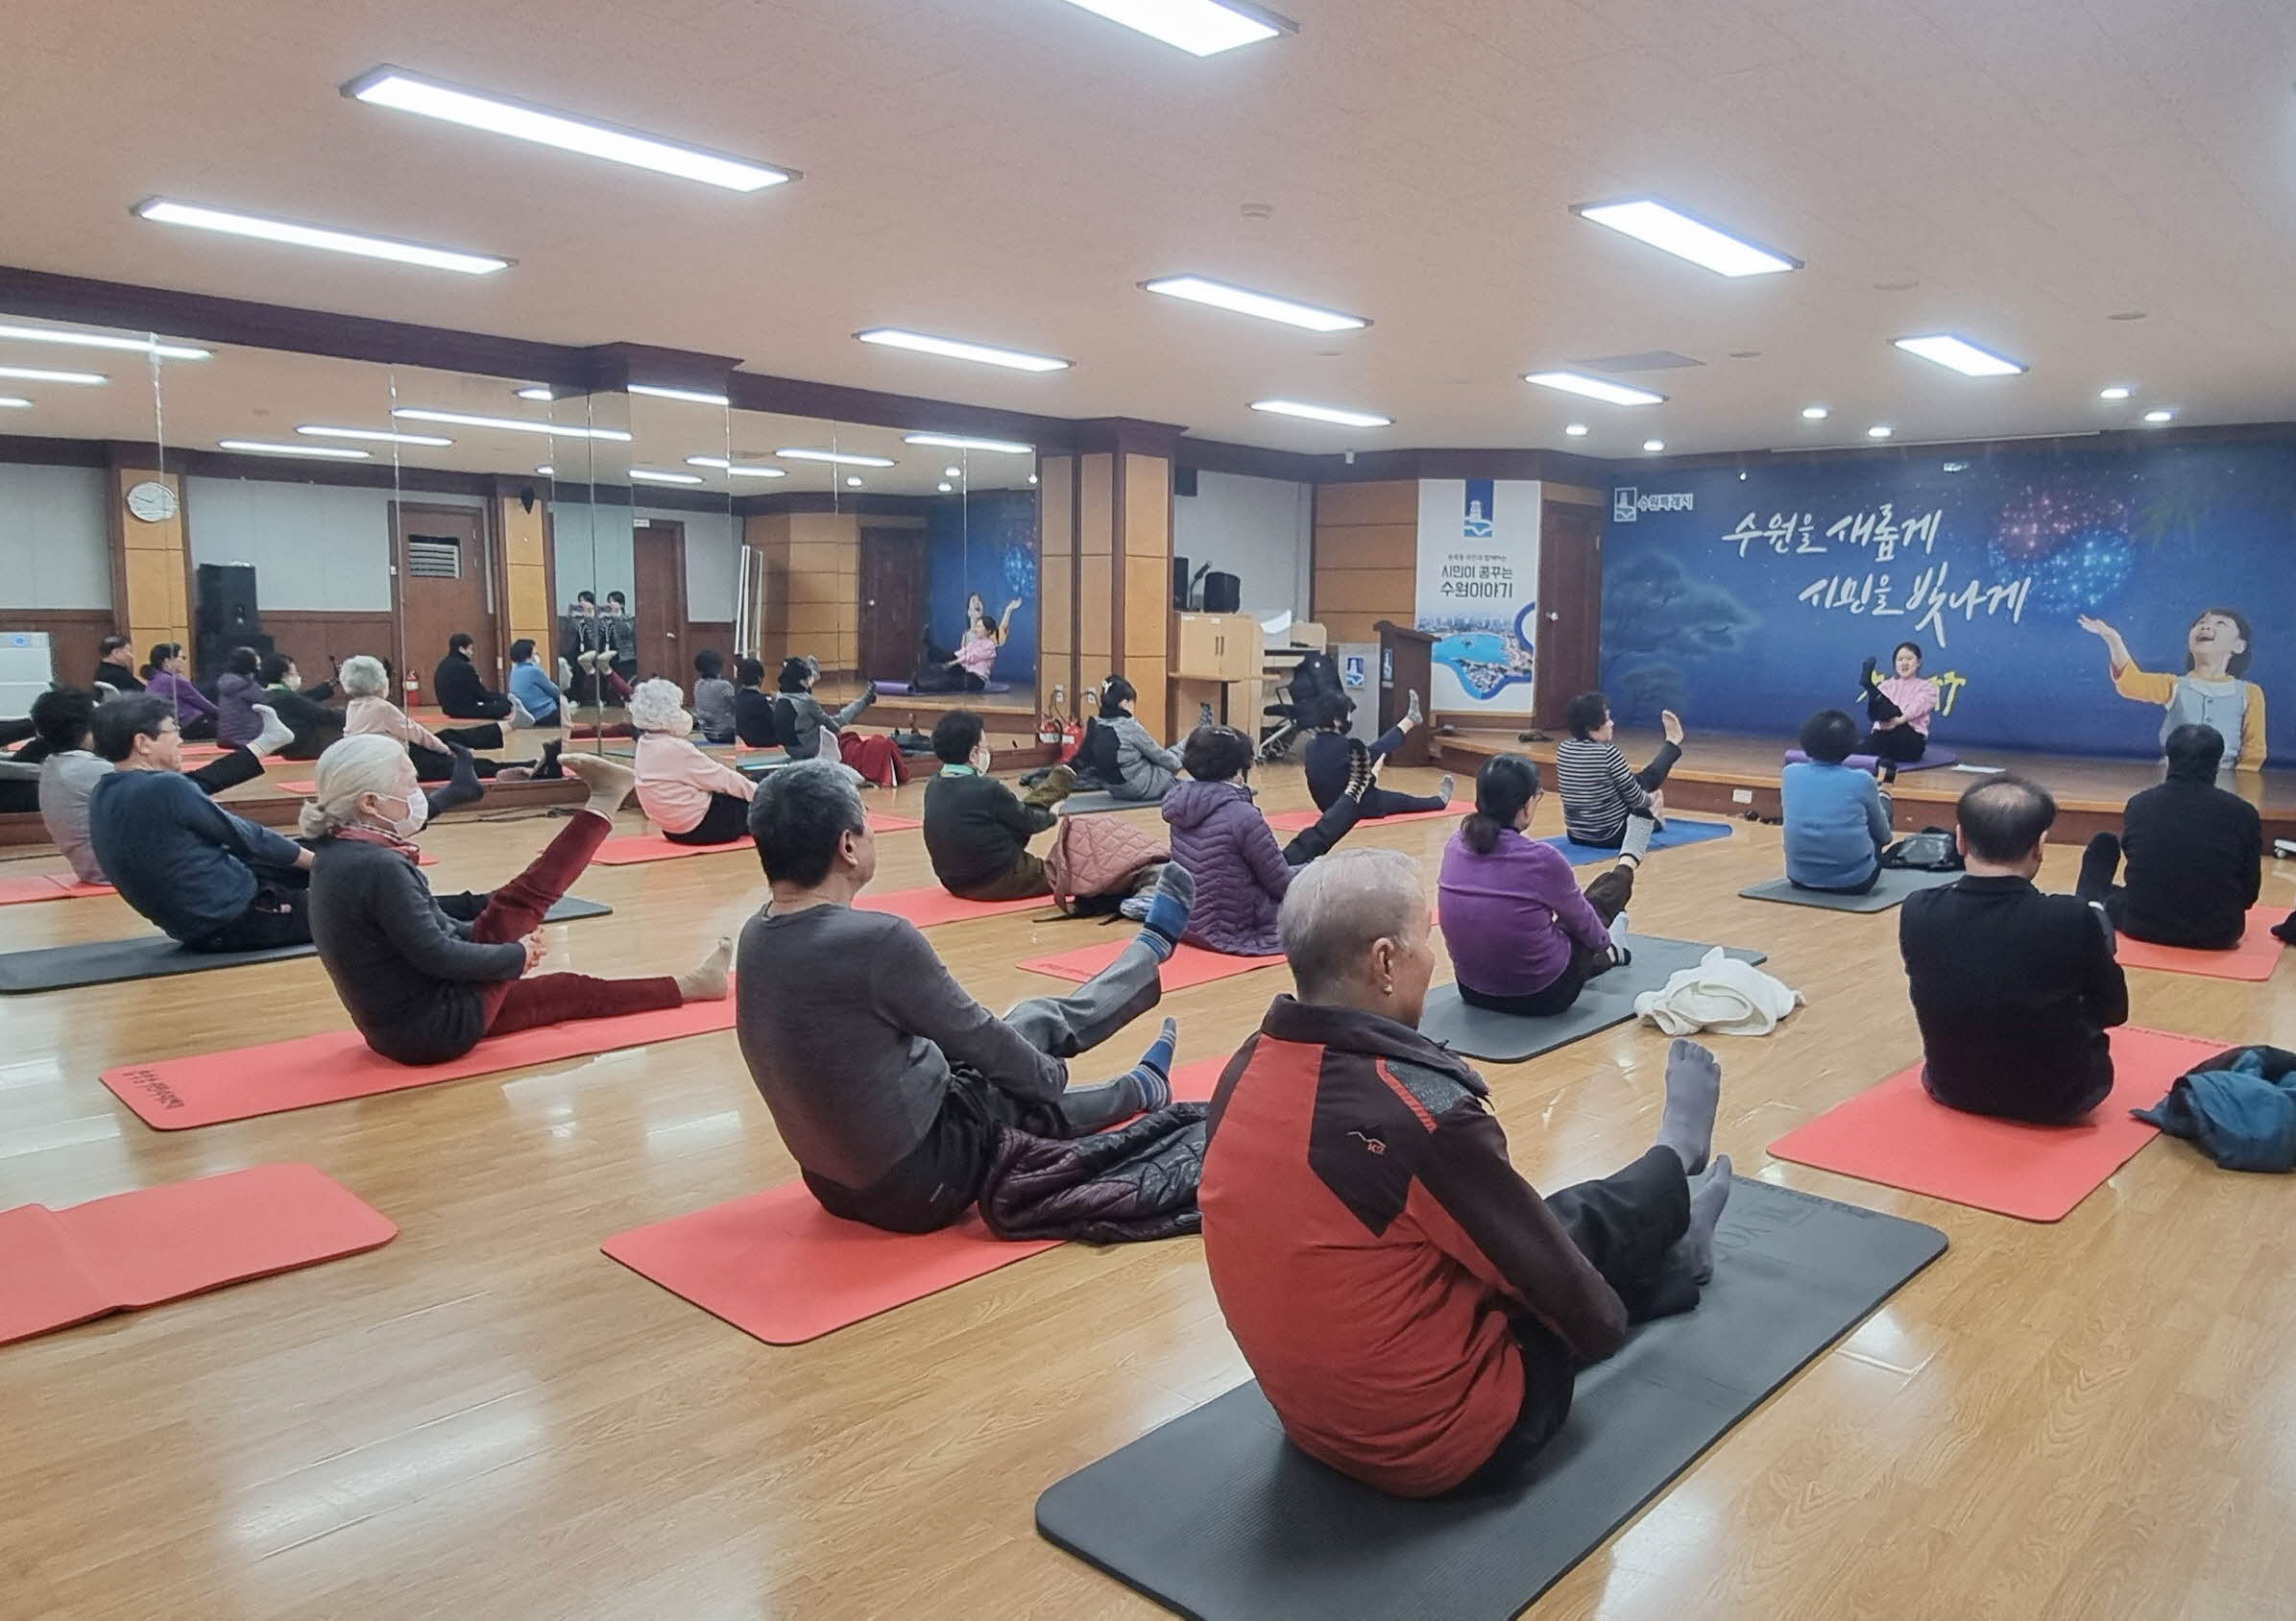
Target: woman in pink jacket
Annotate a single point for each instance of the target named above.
(1900, 708)
(690, 797)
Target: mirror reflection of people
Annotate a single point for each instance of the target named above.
(462, 692)
(2209, 692)
(169, 678)
(969, 667)
(1899, 708)
(116, 666)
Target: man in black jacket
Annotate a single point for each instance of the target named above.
(2014, 989)
(464, 694)
(977, 830)
(2196, 854)
(116, 666)
(303, 708)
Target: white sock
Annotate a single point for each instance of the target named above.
(276, 735)
(517, 717)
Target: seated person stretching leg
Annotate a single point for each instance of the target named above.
(2196, 854)
(303, 708)
(1523, 937)
(806, 730)
(1417, 1314)
(115, 667)
(2014, 989)
(169, 678)
(713, 697)
(1837, 819)
(1900, 708)
(371, 711)
(690, 797)
(463, 692)
(425, 978)
(887, 1081)
(1121, 756)
(1599, 792)
(977, 830)
(236, 697)
(540, 697)
(753, 722)
(1326, 762)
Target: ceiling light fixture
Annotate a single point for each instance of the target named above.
(1670, 230)
(946, 486)
(1653, 446)
(853, 481)
(501, 115)
(100, 340)
(648, 475)
(36, 375)
(509, 424)
(10, 402)
(955, 349)
(2118, 391)
(1033, 478)
(1959, 355)
(264, 448)
(1814, 413)
(547, 471)
(841, 458)
(1322, 413)
(691, 396)
(1199, 289)
(1880, 430)
(736, 470)
(952, 472)
(2157, 417)
(374, 433)
(162, 210)
(537, 392)
(1201, 27)
(1577, 430)
(954, 442)
(1595, 388)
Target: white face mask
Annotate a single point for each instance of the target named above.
(418, 812)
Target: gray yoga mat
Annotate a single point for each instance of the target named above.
(1091, 801)
(1888, 891)
(152, 956)
(1607, 998)
(1216, 1515)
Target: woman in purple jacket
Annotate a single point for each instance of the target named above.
(1523, 938)
(195, 714)
(1220, 836)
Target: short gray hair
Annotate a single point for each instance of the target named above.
(363, 676)
(797, 816)
(1338, 907)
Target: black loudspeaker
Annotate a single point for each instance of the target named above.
(1223, 593)
(227, 602)
(1183, 481)
(1179, 584)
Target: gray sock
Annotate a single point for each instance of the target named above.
(1637, 840)
(1693, 1096)
(1709, 1192)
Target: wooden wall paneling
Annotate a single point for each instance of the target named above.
(1366, 545)
(1351, 627)
(1057, 610)
(150, 579)
(1055, 597)
(1392, 501)
(1142, 584)
(1390, 592)
(75, 637)
(319, 640)
(525, 607)
(1096, 530)
(1152, 679)
(1096, 591)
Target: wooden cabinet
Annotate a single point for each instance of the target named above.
(1216, 648)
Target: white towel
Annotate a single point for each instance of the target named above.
(1721, 994)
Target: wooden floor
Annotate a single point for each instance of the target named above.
(487, 1419)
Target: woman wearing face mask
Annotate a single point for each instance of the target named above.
(690, 797)
(424, 977)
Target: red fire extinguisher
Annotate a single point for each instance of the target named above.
(1059, 732)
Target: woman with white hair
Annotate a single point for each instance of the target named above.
(690, 797)
(424, 977)
(371, 712)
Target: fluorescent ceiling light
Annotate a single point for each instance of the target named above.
(647, 476)
(164, 211)
(1244, 302)
(736, 469)
(547, 471)
(263, 448)
(501, 115)
(374, 433)
(946, 486)
(1670, 230)
(953, 349)
(1577, 430)
(955, 442)
(99, 340)
(1959, 355)
(34, 374)
(509, 424)
(952, 472)
(537, 392)
(1201, 27)
(1880, 430)
(1654, 445)
(842, 458)
(10, 402)
(1322, 413)
(691, 396)
(2118, 391)
(1595, 388)
(853, 481)
(2157, 417)
(1814, 413)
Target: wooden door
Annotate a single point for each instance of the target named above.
(892, 617)
(1570, 610)
(443, 570)
(658, 598)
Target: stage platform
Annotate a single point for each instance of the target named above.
(1729, 774)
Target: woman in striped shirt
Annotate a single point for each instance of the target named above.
(1599, 790)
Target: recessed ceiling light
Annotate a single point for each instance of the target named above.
(509, 424)
(842, 458)
(1577, 430)
(2158, 417)
(166, 211)
(1814, 413)
(264, 448)
(1322, 413)
(853, 481)
(946, 486)
(648, 475)
(535, 393)
(955, 349)
(374, 433)
(1654, 445)
(691, 396)
(1959, 355)
(101, 340)
(1880, 430)
(35, 375)
(1670, 230)
(1033, 478)
(2118, 391)
(547, 471)
(1595, 388)
(736, 470)
(1199, 289)
(10, 402)
(1201, 27)
(953, 441)
(408, 93)
(952, 472)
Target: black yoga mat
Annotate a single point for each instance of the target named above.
(1608, 999)
(1889, 891)
(1089, 802)
(152, 956)
(1216, 1515)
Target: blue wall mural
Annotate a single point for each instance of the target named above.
(984, 543)
(1746, 600)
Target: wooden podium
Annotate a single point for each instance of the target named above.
(1406, 665)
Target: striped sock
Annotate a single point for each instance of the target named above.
(1167, 917)
(1151, 1077)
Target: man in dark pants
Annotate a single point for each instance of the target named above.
(462, 692)
(2014, 989)
(977, 830)
(2196, 854)
(1415, 1313)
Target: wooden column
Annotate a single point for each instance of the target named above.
(528, 598)
(150, 563)
(1122, 505)
(1058, 605)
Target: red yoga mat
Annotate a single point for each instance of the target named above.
(1896, 1135)
(932, 904)
(1190, 965)
(1299, 821)
(175, 1094)
(20, 890)
(137, 1250)
(634, 849)
(2255, 958)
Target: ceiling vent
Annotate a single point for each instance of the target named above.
(1645, 361)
